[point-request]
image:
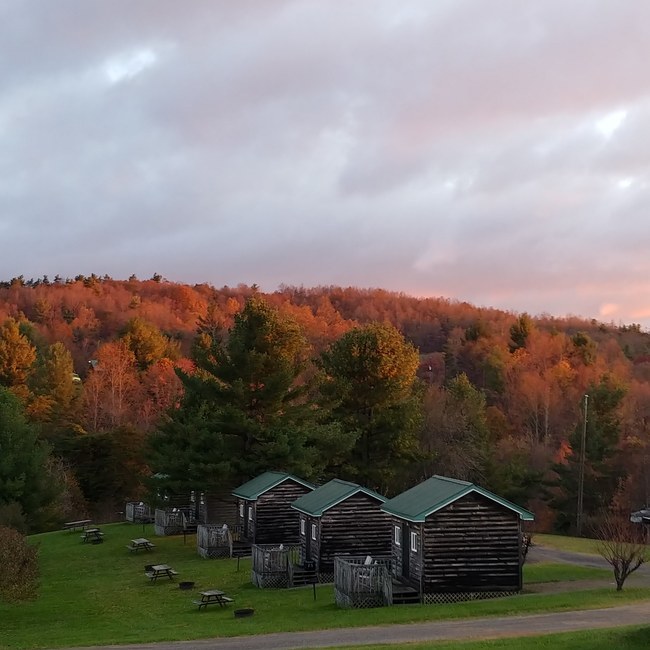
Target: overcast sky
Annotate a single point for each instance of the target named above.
(495, 152)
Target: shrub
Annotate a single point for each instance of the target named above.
(18, 567)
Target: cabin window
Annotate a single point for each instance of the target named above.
(414, 541)
(302, 526)
(241, 510)
(250, 513)
(398, 536)
(313, 532)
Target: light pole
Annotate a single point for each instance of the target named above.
(581, 470)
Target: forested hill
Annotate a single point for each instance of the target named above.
(498, 399)
(87, 311)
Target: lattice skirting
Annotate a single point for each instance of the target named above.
(441, 598)
(326, 577)
(270, 580)
(214, 552)
(162, 531)
(357, 601)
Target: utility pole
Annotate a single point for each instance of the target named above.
(581, 470)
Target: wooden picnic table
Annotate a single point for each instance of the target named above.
(159, 570)
(73, 525)
(93, 535)
(139, 544)
(212, 597)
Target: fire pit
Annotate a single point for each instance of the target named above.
(244, 611)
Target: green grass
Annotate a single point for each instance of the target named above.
(574, 544)
(98, 594)
(562, 572)
(632, 638)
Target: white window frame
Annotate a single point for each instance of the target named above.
(302, 526)
(241, 510)
(313, 532)
(414, 541)
(398, 535)
(250, 513)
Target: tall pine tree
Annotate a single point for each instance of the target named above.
(249, 407)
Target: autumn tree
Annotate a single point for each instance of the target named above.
(110, 389)
(57, 392)
(147, 343)
(370, 374)
(17, 356)
(455, 430)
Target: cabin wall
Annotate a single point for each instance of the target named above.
(474, 544)
(275, 521)
(356, 526)
(220, 509)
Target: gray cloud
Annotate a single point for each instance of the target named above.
(489, 152)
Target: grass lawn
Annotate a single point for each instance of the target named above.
(575, 544)
(98, 594)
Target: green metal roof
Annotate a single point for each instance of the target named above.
(257, 486)
(327, 496)
(437, 492)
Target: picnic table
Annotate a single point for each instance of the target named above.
(140, 544)
(158, 571)
(212, 597)
(93, 535)
(73, 525)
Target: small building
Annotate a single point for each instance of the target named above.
(265, 515)
(451, 538)
(341, 518)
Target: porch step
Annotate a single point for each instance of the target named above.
(404, 594)
(241, 549)
(302, 577)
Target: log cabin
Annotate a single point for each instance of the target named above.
(451, 536)
(264, 512)
(341, 518)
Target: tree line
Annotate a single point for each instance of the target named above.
(105, 383)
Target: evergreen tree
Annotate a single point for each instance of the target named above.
(603, 470)
(371, 375)
(25, 486)
(248, 408)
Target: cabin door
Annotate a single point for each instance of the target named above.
(406, 540)
(247, 520)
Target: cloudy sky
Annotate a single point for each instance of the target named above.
(496, 152)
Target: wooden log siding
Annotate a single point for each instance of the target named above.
(276, 522)
(273, 521)
(220, 508)
(474, 544)
(356, 526)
